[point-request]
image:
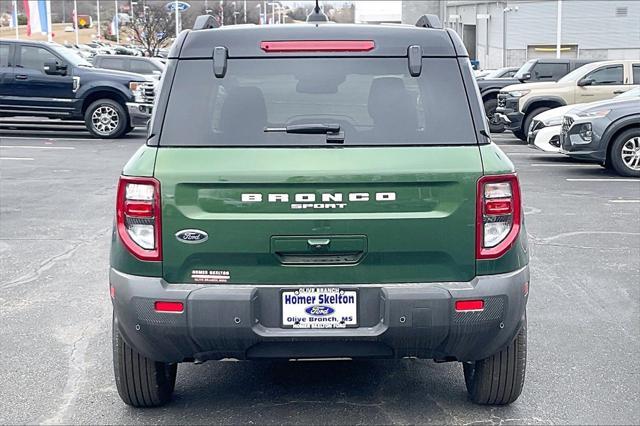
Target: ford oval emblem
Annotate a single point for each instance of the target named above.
(319, 310)
(192, 236)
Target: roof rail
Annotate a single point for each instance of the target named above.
(429, 21)
(205, 22)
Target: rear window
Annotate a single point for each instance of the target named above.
(112, 63)
(374, 101)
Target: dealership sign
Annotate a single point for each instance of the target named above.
(181, 5)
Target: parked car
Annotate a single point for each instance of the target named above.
(606, 132)
(519, 104)
(146, 66)
(545, 128)
(534, 70)
(47, 80)
(482, 73)
(407, 241)
(506, 72)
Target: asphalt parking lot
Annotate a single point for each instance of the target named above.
(57, 192)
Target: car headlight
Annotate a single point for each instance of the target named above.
(585, 134)
(555, 121)
(137, 91)
(518, 93)
(595, 114)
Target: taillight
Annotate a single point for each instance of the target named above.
(138, 217)
(499, 215)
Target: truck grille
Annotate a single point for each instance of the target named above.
(149, 91)
(567, 122)
(502, 100)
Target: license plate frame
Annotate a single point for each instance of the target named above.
(325, 325)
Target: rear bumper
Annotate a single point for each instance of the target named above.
(396, 320)
(139, 114)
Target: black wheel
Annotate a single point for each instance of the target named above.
(624, 155)
(106, 118)
(141, 382)
(526, 123)
(498, 380)
(495, 125)
(520, 135)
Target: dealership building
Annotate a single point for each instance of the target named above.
(508, 33)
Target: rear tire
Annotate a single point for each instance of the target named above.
(106, 118)
(490, 106)
(498, 380)
(624, 156)
(141, 382)
(519, 134)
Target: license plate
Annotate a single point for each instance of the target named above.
(319, 308)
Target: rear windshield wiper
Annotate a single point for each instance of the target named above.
(334, 135)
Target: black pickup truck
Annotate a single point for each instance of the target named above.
(532, 71)
(48, 80)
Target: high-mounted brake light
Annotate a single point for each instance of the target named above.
(138, 217)
(499, 215)
(317, 46)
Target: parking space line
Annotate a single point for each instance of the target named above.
(44, 138)
(624, 201)
(524, 153)
(602, 180)
(562, 165)
(17, 158)
(35, 147)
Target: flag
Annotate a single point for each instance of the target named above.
(113, 28)
(36, 11)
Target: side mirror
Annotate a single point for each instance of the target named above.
(585, 82)
(526, 76)
(53, 68)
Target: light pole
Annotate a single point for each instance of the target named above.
(505, 12)
(235, 14)
(244, 9)
(559, 30)
(117, 23)
(15, 17)
(98, 13)
(175, 5)
(76, 23)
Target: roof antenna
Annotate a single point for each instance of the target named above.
(317, 15)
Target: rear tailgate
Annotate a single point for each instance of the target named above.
(347, 216)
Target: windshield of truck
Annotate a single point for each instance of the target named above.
(574, 75)
(525, 68)
(374, 101)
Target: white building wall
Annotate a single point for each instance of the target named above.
(597, 27)
(592, 24)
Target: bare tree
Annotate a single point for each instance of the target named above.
(152, 28)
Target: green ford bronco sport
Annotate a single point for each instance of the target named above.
(319, 191)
